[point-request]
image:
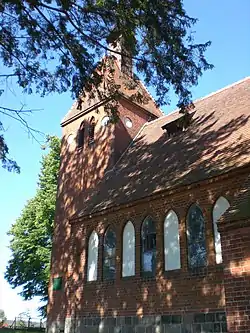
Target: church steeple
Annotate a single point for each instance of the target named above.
(123, 56)
(98, 143)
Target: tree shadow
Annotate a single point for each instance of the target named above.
(91, 182)
(169, 162)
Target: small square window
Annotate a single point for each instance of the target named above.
(57, 283)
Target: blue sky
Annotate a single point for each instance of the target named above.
(225, 23)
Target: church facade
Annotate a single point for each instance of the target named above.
(152, 228)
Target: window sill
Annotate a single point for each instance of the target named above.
(204, 270)
(198, 270)
(219, 267)
(125, 278)
(108, 281)
(92, 282)
(173, 272)
(147, 276)
(193, 272)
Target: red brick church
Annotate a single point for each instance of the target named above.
(152, 228)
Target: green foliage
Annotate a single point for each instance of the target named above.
(54, 46)
(32, 232)
(72, 35)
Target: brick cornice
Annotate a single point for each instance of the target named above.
(103, 102)
(164, 193)
(232, 225)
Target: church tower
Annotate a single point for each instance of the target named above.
(91, 146)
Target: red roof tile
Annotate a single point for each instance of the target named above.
(217, 141)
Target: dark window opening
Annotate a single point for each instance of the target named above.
(196, 239)
(178, 125)
(109, 251)
(80, 135)
(148, 250)
(91, 131)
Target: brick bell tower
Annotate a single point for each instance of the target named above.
(91, 146)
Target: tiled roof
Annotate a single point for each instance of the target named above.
(88, 103)
(217, 142)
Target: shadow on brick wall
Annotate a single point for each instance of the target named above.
(207, 149)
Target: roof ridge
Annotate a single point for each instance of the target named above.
(222, 89)
(202, 98)
(150, 95)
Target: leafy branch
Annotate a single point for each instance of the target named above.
(56, 46)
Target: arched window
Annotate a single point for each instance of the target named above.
(197, 254)
(80, 135)
(92, 257)
(91, 131)
(128, 250)
(219, 209)
(109, 249)
(171, 242)
(148, 246)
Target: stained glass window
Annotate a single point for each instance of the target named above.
(109, 252)
(148, 244)
(197, 254)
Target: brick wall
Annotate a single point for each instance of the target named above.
(182, 294)
(236, 254)
(80, 171)
(170, 293)
(124, 134)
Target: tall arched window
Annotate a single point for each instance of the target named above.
(80, 135)
(92, 257)
(128, 250)
(171, 242)
(148, 246)
(197, 254)
(219, 209)
(91, 138)
(109, 252)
